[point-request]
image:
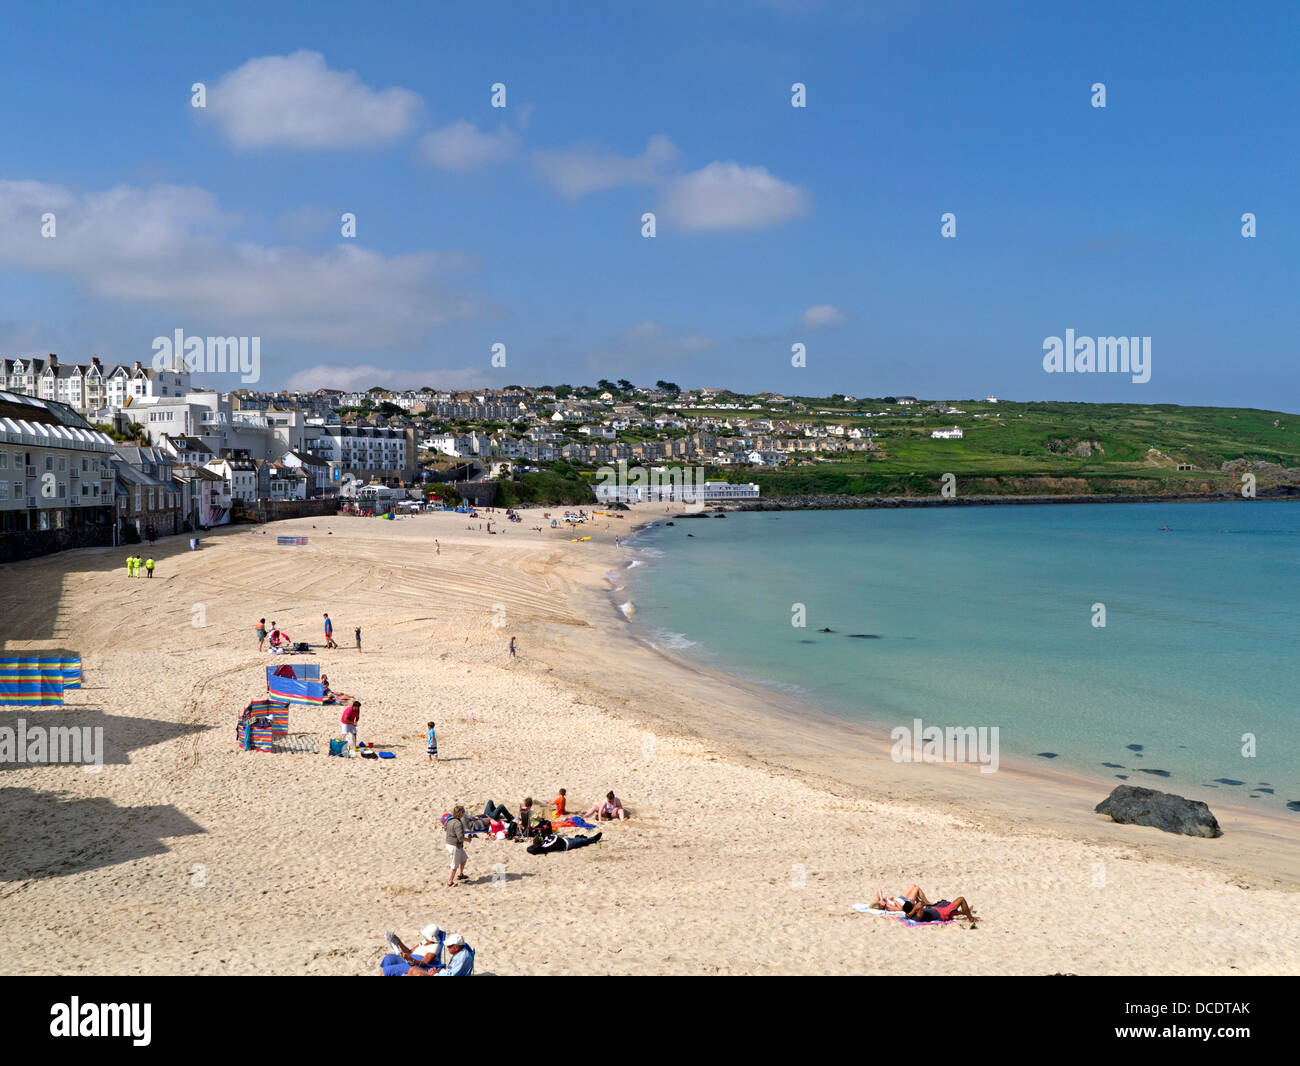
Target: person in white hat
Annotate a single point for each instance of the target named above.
(460, 958)
(424, 958)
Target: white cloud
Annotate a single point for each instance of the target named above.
(725, 196)
(171, 249)
(574, 172)
(696, 343)
(821, 315)
(350, 377)
(296, 101)
(462, 147)
(643, 330)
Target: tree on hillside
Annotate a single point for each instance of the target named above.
(668, 386)
(624, 385)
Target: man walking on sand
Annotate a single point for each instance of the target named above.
(329, 633)
(512, 647)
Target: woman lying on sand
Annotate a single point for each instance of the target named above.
(897, 903)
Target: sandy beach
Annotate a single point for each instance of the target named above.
(755, 825)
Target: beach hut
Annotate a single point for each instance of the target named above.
(274, 718)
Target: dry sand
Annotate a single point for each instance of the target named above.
(756, 826)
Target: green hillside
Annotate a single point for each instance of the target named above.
(1043, 448)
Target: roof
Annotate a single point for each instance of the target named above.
(27, 420)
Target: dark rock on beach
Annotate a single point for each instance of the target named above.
(866, 636)
(1134, 747)
(1131, 805)
(1228, 781)
(1293, 805)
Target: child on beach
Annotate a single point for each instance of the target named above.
(431, 740)
(560, 814)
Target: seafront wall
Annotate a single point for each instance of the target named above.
(32, 543)
(845, 502)
(278, 510)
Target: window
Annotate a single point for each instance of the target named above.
(63, 464)
(63, 490)
(4, 460)
(4, 490)
(49, 462)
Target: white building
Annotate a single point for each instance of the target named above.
(946, 434)
(55, 471)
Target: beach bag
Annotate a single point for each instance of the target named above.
(338, 747)
(302, 645)
(369, 755)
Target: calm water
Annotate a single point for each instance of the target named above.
(984, 617)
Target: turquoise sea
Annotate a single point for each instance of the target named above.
(984, 616)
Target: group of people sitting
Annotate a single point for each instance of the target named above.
(426, 959)
(915, 906)
(532, 825)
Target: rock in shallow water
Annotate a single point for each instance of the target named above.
(1130, 805)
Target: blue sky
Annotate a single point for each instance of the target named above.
(775, 224)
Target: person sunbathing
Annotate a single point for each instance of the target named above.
(897, 903)
(555, 842)
(943, 911)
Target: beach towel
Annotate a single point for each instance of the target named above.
(387, 754)
(866, 908)
(573, 822)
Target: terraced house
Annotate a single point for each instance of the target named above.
(56, 479)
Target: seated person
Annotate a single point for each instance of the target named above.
(559, 802)
(555, 842)
(425, 956)
(943, 911)
(460, 961)
(612, 808)
(530, 818)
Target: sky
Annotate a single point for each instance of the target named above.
(774, 225)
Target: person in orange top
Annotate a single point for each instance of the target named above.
(559, 806)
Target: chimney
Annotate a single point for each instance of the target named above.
(94, 361)
(137, 364)
(54, 360)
